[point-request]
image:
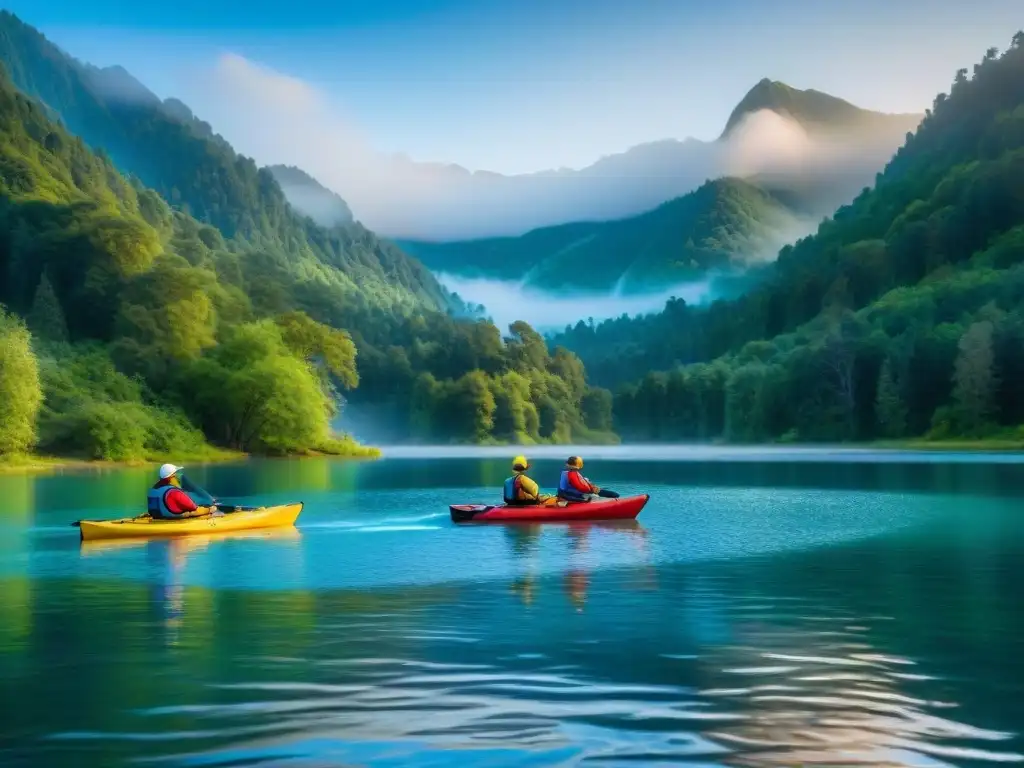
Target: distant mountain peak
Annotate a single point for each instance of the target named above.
(810, 108)
(814, 110)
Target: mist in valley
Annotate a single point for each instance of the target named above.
(506, 301)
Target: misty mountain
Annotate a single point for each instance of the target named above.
(311, 198)
(788, 137)
(199, 173)
(801, 153)
(724, 225)
(817, 112)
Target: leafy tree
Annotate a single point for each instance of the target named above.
(20, 391)
(253, 394)
(318, 343)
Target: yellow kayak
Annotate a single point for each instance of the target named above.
(146, 527)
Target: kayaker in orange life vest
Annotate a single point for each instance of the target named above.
(573, 486)
(521, 490)
(166, 500)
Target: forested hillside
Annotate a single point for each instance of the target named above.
(725, 224)
(902, 316)
(199, 173)
(150, 333)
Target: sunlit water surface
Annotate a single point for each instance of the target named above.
(769, 608)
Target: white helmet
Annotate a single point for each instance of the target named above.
(169, 469)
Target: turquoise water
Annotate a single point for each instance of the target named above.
(768, 608)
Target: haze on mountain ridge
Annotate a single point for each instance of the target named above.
(436, 201)
(449, 203)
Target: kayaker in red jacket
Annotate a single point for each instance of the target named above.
(166, 500)
(573, 486)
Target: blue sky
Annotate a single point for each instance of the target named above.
(522, 85)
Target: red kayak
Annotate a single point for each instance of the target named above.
(601, 509)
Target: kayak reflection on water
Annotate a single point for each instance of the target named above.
(524, 543)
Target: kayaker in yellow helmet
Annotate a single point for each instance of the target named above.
(573, 486)
(521, 490)
(167, 501)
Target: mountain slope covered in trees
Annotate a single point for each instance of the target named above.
(129, 329)
(199, 173)
(723, 225)
(902, 316)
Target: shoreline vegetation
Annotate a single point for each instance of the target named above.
(32, 463)
(342, 448)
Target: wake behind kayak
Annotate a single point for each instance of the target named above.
(610, 509)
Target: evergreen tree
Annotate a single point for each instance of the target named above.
(890, 409)
(46, 318)
(974, 380)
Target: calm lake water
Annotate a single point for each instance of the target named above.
(769, 608)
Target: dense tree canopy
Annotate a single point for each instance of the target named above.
(903, 315)
(156, 332)
(186, 303)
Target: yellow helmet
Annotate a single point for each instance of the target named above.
(574, 462)
(520, 464)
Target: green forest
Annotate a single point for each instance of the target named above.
(161, 298)
(903, 316)
(178, 306)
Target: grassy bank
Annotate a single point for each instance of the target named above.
(40, 463)
(961, 444)
(341, 448)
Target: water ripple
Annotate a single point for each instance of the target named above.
(833, 702)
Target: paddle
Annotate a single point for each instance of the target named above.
(608, 494)
(227, 509)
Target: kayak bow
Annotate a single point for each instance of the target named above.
(602, 509)
(146, 527)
